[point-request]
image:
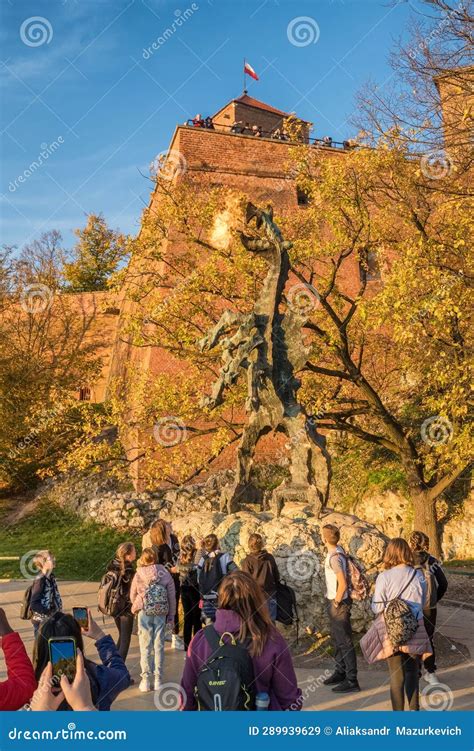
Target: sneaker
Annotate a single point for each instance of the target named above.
(177, 642)
(334, 678)
(431, 678)
(347, 687)
(144, 686)
(157, 684)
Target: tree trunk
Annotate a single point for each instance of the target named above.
(425, 519)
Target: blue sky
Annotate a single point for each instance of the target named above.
(77, 84)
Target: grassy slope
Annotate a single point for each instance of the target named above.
(82, 549)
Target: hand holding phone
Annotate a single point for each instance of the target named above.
(82, 617)
(78, 694)
(62, 654)
(93, 631)
(45, 698)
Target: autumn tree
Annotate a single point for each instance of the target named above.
(372, 213)
(427, 106)
(97, 256)
(381, 262)
(46, 354)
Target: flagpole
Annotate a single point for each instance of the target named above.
(244, 90)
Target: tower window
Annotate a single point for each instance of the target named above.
(85, 394)
(302, 197)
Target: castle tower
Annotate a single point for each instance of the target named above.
(255, 166)
(456, 92)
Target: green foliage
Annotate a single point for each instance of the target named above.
(268, 476)
(82, 548)
(359, 469)
(97, 255)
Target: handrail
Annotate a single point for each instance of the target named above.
(242, 130)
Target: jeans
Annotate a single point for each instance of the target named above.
(404, 679)
(272, 606)
(151, 638)
(192, 613)
(124, 625)
(429, 618)
(341, 638)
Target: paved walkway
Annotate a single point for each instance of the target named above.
(454, 624)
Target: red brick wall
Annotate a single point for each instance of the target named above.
(257, 167)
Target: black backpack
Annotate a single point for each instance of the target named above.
(109, 595)
(25, 608)
(287, 609)
(225, 683)
(211, 574)
(400, 621)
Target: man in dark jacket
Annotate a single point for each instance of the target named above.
(436, 586)
(262, 567)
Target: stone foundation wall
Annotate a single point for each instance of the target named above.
(393, 515)
(294, 538)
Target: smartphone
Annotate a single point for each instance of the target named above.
(82, 617)
(62, 653)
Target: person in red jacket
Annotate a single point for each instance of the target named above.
(20, 685)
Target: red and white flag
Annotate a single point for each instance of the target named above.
(250, 71)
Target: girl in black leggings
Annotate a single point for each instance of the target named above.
(401, 580)
(123, 569)
(187, 570)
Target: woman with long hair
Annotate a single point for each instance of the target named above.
(166, 546)
(106, 680)
(213, 565)
(190, 597)
(123, 570)
(400, 580)
(436, 586)
(242, 613)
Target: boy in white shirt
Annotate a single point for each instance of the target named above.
(344, 678)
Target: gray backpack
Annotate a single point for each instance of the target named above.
(431, 584)
(400, 621)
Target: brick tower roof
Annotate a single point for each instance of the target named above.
(249, 101)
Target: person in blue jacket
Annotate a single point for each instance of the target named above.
(45, 598)
(107, 679)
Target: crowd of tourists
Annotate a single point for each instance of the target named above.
(247, 129)
(223, 616)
